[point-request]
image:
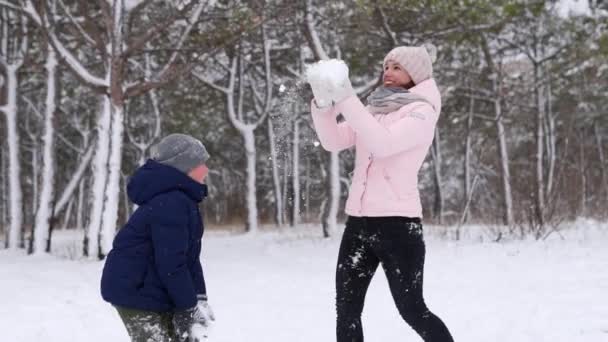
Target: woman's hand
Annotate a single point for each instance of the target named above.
(329, 82)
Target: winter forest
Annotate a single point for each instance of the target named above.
(89, 86)
(519, 157)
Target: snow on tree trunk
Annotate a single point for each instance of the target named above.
(551, 143)
(35, 170)
(467, 158)
(110, 207)
(100, 175)
(285, 180)
(44, 213)
(540, 118)
(68, 215)
(252, 205)
(331, 220)
(295, 175)
(81, 207)
(582, 171)
(275, 175)
(307, 185)
(14, 169)
(314, 41)
(436, 154)
(504, 159)
(602, 158)
(3, 199)
(506, 174)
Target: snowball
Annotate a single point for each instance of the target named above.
(333, 71)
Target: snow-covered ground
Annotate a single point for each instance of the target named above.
(279, 287)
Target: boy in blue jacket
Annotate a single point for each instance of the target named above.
(153, 274)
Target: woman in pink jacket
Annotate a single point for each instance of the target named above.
(392, 136)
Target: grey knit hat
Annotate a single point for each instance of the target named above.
(180, 151)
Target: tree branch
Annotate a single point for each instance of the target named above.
(390, 34)
(137, 44)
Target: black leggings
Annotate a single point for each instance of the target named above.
(397, 243)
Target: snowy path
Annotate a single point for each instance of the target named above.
(280, 288)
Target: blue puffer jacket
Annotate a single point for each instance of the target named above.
(154, 263)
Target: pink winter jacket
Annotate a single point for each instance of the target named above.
(390, 150)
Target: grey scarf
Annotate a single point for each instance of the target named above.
(386, 100)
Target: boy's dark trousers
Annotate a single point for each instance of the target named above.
(148, 326)
(397, 243)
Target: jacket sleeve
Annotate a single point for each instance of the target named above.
(414, 128)
(170, 238)
(333, 136)
(198, 275)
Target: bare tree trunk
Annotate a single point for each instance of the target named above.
(35, 168)
(504, 159)
(3, 199)
(582, 173)
(602, 160)
(330, 221)
(307, 191)
(436, 154)
(252, 208)
(551, 139)
(112, 192)
(125, 197)
(331, 210)
(100, 175)
(81, 206)
(286, 184)
(12, 54)
(467, 159)
(540, 154)
(14, 181)
(295, 176)
(68, 215)
(276, 178)
(44, 213)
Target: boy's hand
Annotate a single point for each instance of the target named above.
(183, 321)
(205, 309)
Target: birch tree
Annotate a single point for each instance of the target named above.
(45, 210)
(13, 49)
(118, 42)
(243, 121)
(314, 42)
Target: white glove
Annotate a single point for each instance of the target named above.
(329, 82)
(205, 310)
(319, 89)
(199, 331)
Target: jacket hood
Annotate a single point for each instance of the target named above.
(153, 178)
(429, 90)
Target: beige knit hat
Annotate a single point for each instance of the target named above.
(417, 60)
